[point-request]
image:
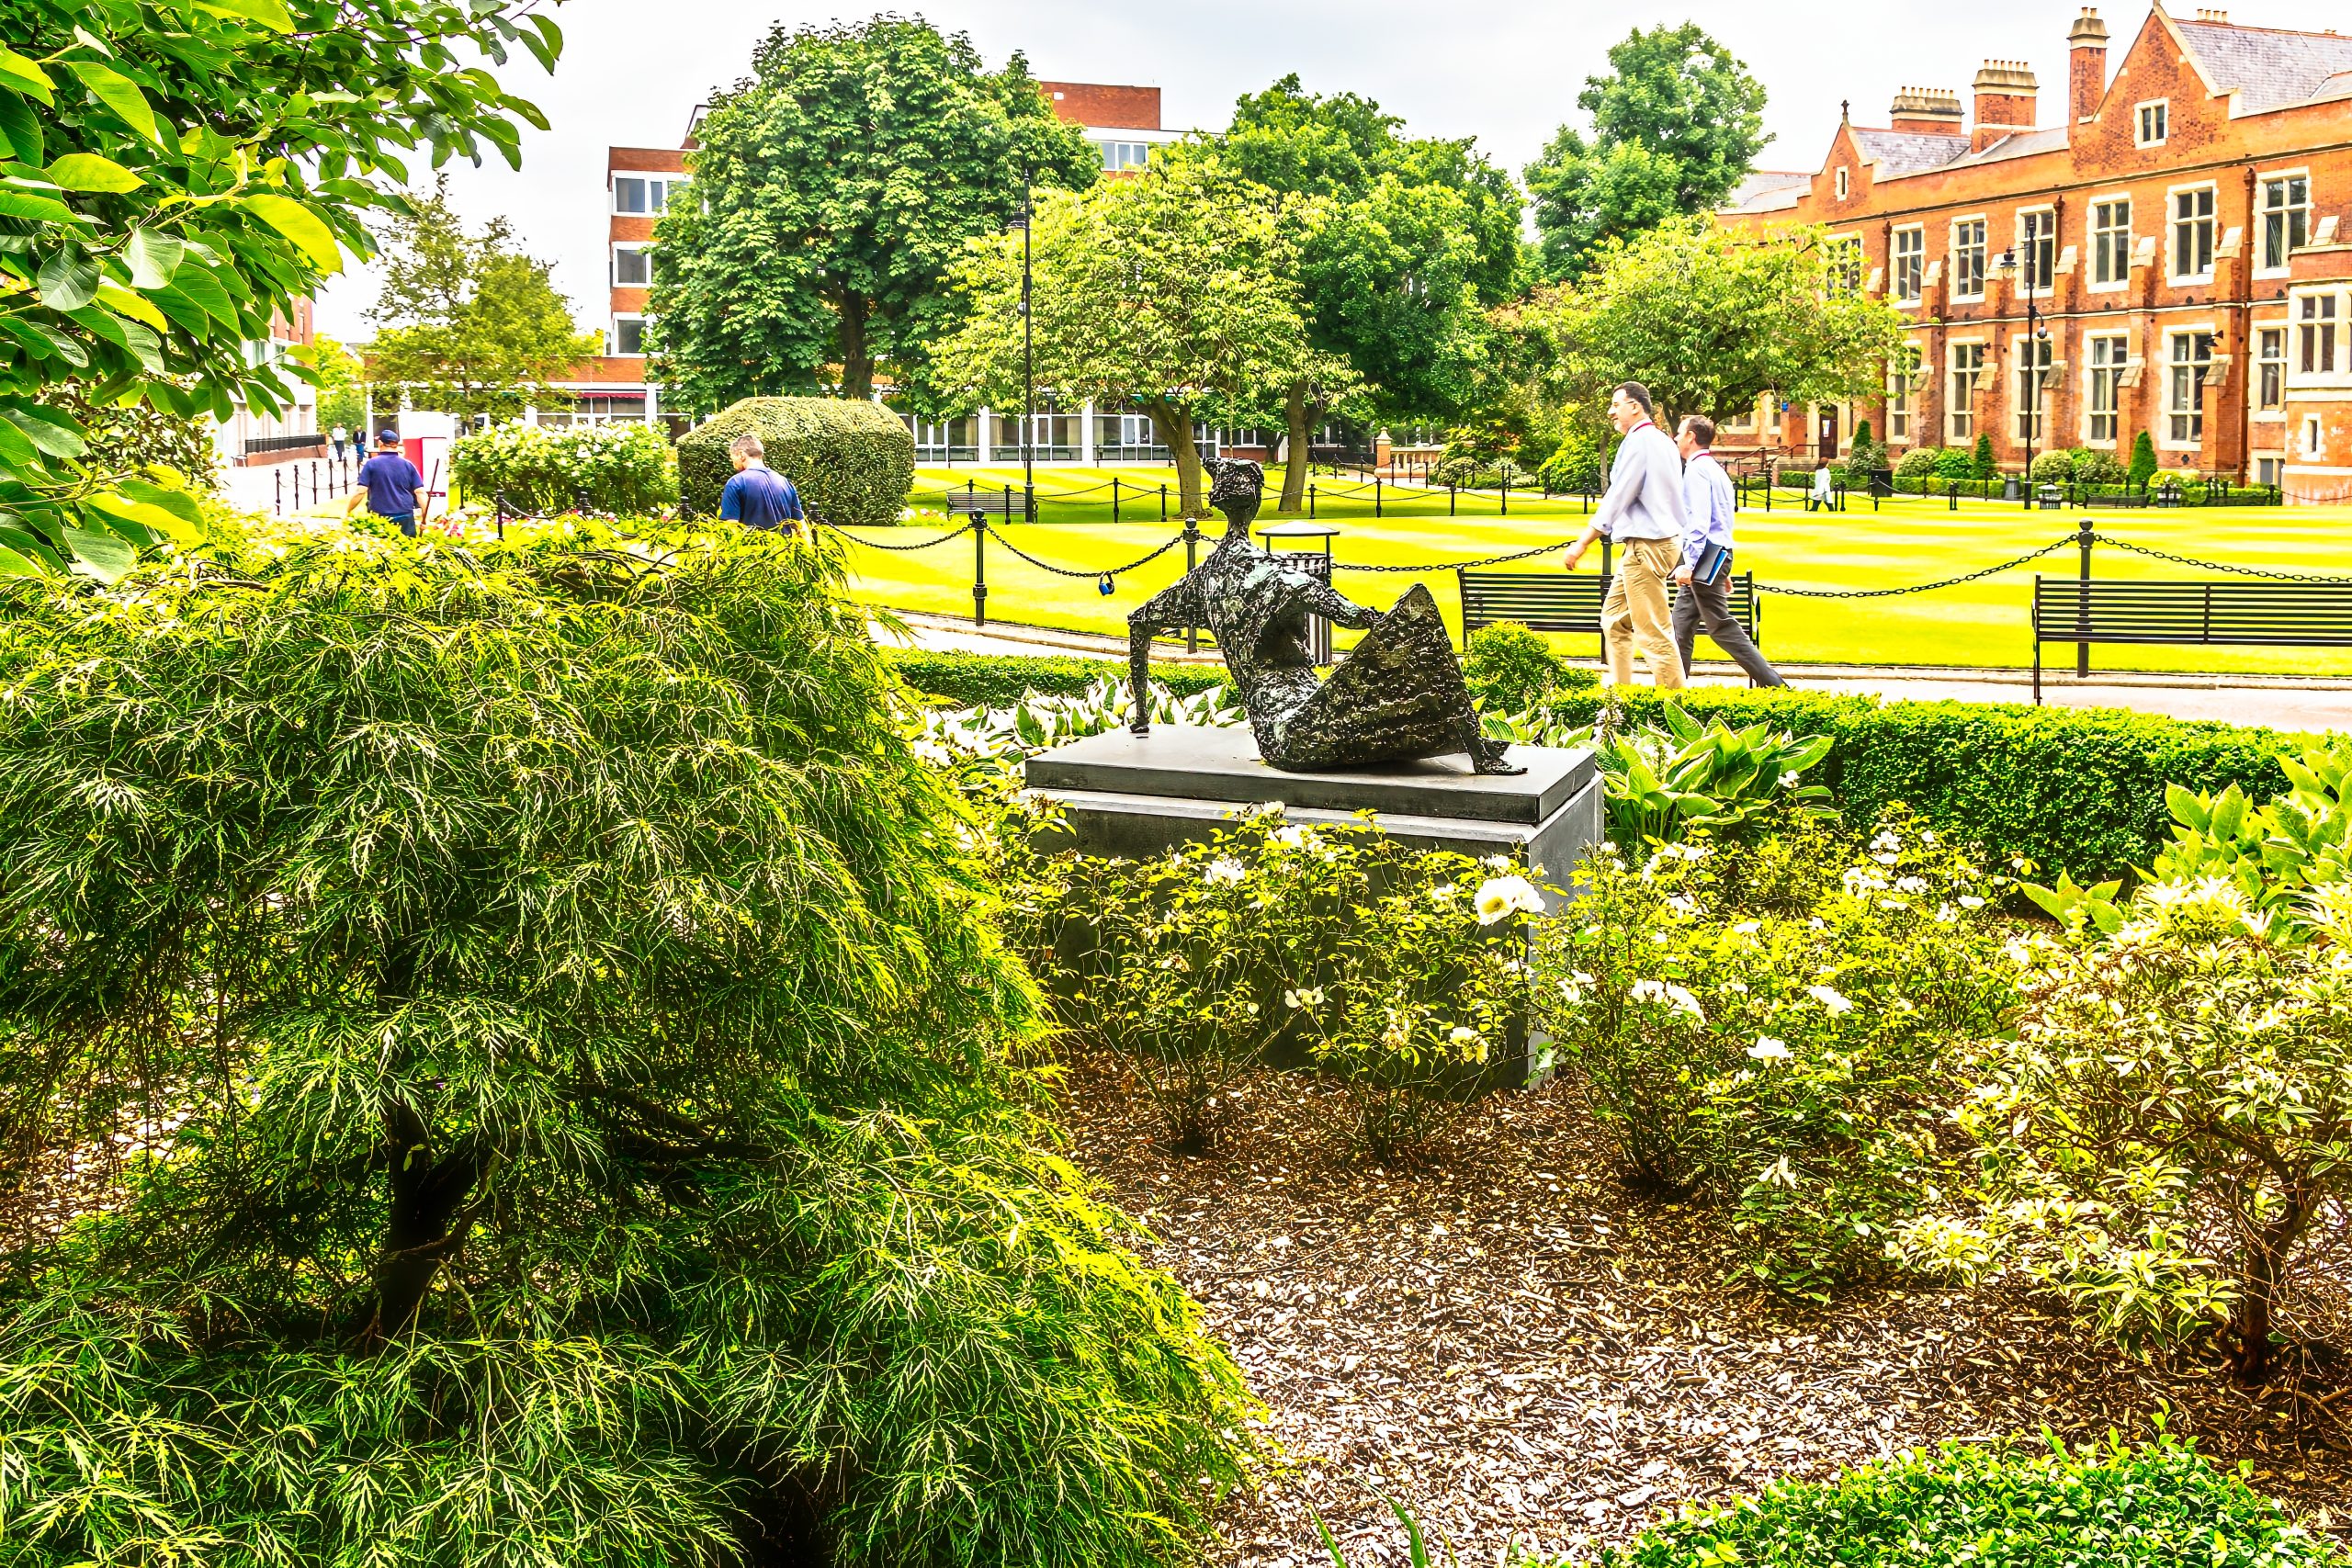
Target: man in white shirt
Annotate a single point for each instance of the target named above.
(1706, 571)
(1643, 512)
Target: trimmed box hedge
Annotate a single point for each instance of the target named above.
(853, 461)
(988, 680)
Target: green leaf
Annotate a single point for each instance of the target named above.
(69, 280)
(179, 503)
(2187, 809)
(147, 516)
(54, 432)
(30, 546)
(302, 225)
(15, 565)
(22, 74)
(40, 209)
(22, 127)
(196, 285)
(271, 14)
(153, 257)
(118, 92)
(87, 171)
(102, 556)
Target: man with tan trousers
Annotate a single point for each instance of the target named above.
(1643, 512)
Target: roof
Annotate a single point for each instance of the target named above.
(2268, 68)
(1762, 182)
(1899, 152)
(1778, 198)
(2018, 144)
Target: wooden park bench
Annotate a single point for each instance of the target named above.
(1007, 502)
(2252, 613)
(1569, 600)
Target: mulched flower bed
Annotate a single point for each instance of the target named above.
(1524, 1354)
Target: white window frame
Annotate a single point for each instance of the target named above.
(2031, 421)
(2263, 180)
(1984, 255)
(2175, 223)
(1115, 150)
(655, 205)
(2319, 333)
(1902, 385)
(1844, 279)
(2194, 412)
(1843, 180)
(614, 348)
(2122, 256)
(2034, 217)
(1959, 408)
(2312, 435)
(1910, 289)
(2140, 122)
(2104, 379)
(643, 250)
(2268, 366)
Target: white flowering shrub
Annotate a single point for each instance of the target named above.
(609, 469)
(1771, 1040)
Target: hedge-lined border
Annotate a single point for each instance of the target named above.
(2075, 789)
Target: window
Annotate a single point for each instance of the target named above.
(629, 334)
(1845, 182)
(2285, 218)
(2318, 323)
(2268, 471)
(2107, 355)
(2270, 359)
(1845, 260)
(1968, 259)
(2156, 122)
(2033, 385)
(2110, 243)
(2310, 436)
(1967, 361)
(1902, 375)
(2192, 359)
(1118, 156)
(630, 270)
(644, 195)
(2038, 251)
(2192, 233)
(1910, 261)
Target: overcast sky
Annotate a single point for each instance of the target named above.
(1506, 72)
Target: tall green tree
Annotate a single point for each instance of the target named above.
(1676, 125)
(467, 323)
(831, 195)
(1709, 319)
(1178, 290)
(1404, 246)
(179, 175)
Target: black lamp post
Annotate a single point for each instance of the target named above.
(1028, 360)
(2036, 336)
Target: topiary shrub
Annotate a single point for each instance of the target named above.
(853, 461)
(2096, 467)
(1918, 463)
(2053, 468)
(1980, 462)
(592, 1119)
(618, 470)
(2158, 1506)
(2143, 460)
(1955, 463)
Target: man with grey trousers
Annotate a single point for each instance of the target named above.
(1704, 577)
(1642, 514)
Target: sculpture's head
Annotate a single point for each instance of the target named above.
(1236, 487)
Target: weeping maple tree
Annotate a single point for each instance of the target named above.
(581, 1083)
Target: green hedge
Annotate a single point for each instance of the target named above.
(988, 680)
(853, 461)
(2159, 1506)
(617, 469)
(2081, 789)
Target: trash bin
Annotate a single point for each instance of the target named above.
(2010, 491)
(1881, 483)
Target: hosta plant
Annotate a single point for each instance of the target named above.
(1659, 784)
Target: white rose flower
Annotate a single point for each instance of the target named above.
(1768, 1049)
(1496, 862)
(1828, 998)
(1911, 885)
(1464, 1035)
(1971, 901)
(1305, 996)
(1502, 897)
(1226, 870)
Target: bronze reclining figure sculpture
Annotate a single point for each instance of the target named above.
(1397, 697)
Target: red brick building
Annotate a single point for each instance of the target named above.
(2181, 237)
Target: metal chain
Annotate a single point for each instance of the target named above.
(876, 545)
(2218, 566)
(1457, 565)
(1921, 588)
(1091, 576)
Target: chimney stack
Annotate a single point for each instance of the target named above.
(1928, 111)
(2085, 64)
(2005, 91)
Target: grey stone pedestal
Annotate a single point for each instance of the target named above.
(1137, 796)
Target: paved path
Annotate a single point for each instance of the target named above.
(2278, 702)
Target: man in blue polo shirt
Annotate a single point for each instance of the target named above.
(757, 497)
(390, 484)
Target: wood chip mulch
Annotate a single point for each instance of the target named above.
(1529, 1357)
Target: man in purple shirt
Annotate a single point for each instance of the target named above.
(389, 483)
(1703, 580)
(757, 497)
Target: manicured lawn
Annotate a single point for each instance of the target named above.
(1909, 540)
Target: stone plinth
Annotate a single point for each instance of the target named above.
(1130, 794)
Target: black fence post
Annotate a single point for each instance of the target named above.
(1505, 495)
(1311, 501)
(1191, 558)
(1375, 495)
(1163, 503)
(1449, 501)
(2083, 537)
(1115, 499)
(979, 570)
(278, 488)
(970, 495)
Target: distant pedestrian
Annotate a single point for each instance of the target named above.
(342, 438)
(1822, 497)
(390, 484)
(757, 497)
(1706, 572)
(1643, 512)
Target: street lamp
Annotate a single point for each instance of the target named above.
(2037, 337)
(1028, 358)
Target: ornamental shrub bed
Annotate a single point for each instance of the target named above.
(614, 469)
(2161, 1505)
(853, 461)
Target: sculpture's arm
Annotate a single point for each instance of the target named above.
(1335, 607)
(1173, 606)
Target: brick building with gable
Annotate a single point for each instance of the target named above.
(2183, 237)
